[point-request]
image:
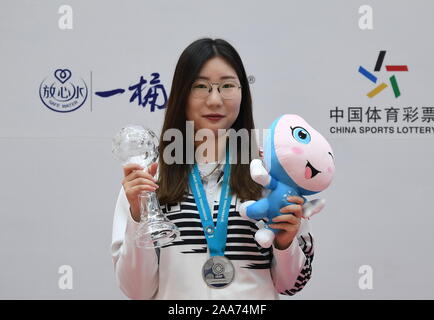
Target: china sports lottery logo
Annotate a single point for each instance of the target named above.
(383, 85)
(62, 92)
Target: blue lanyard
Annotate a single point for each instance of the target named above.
(215, 235)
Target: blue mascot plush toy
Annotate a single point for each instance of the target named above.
(298, 161)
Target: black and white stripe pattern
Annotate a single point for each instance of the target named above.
(240, 243)
(306, 244)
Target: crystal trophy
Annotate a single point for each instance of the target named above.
(136, 144)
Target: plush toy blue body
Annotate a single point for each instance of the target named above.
(298, 161)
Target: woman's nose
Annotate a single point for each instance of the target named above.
(214, 98)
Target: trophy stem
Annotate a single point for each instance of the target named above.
(155, 230)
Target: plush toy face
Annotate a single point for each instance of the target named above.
(303, 153)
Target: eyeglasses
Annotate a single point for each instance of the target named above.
(228, 89)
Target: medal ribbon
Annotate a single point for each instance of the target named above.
(215, 235)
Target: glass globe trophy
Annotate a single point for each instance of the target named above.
(136, 144)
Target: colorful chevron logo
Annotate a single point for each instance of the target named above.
(392, 79)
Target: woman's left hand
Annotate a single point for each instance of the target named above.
(288, 223)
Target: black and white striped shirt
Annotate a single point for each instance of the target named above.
(175, 271)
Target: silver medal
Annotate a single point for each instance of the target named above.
(218, 272)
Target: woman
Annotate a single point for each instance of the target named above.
(209, 88)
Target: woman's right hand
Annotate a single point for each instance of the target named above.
(137, 180)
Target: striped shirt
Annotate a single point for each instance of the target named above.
(175, 270)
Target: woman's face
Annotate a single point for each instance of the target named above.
(214, 112)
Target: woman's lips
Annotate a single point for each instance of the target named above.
(214, 118)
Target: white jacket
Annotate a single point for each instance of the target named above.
(175, 271)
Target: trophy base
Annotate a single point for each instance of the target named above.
(156, 234)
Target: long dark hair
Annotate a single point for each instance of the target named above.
(173, 178)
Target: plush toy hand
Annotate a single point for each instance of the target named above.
(258, 173)
(289, 224)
